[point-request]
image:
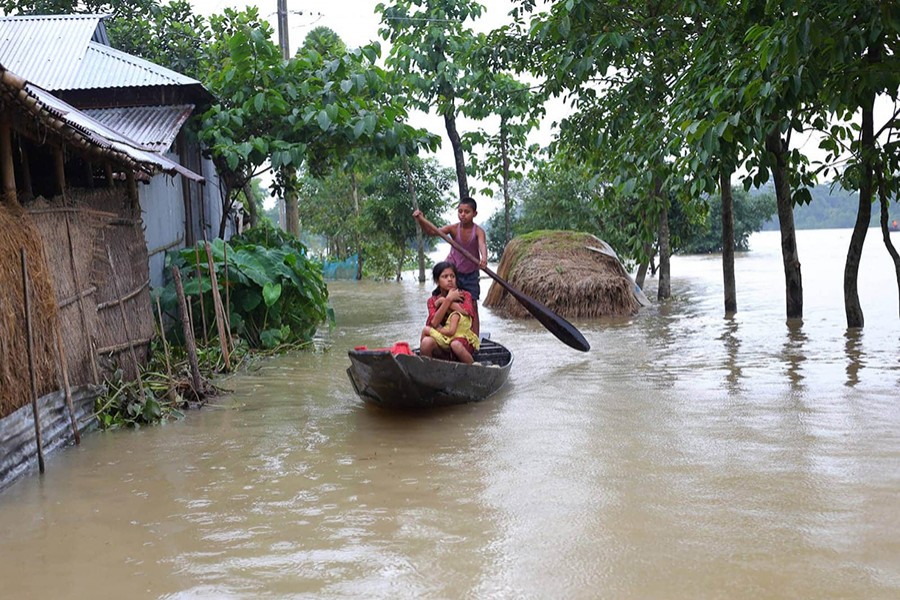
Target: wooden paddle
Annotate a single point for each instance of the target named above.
(555, 324)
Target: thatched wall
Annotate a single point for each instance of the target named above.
(72, 237)
(17, 231)
(574, 274)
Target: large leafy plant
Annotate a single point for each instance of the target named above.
(275, 293)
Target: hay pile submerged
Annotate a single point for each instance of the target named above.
(574, 274)
(18, 231)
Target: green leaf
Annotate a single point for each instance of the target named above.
(324, 120)
(271, 293)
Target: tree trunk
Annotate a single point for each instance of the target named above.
(641, 274)
(886, 232)
(789, 256)
(354, 190)
(251, 205)
(642, 268)
(420, 239)
(458, 158)
(504, 149)
(400, 262)
(852, 307)
(664, 291)
(291, 210)
(728, 243)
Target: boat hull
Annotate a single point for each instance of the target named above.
(412, 381)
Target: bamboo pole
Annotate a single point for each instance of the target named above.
(188, 333)
(134, 359)
(162, 335)
(217, 304)
(81, 310)
(32, 374)
(200, 294)
(227, 300)
(64, 368)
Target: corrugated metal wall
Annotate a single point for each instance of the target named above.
(162, 205)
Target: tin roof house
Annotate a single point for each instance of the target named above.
(69, 56)
(98, 180)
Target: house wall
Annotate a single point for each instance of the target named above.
(168, 225)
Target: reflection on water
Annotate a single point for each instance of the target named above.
(687, 455)
(853, 349)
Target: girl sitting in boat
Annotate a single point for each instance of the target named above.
(448, 331)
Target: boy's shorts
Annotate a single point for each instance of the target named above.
(470, 283)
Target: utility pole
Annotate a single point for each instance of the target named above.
(291, 222)
(283, 29)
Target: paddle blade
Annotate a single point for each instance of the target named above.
(564, 331)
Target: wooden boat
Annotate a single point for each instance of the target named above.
(399, 380)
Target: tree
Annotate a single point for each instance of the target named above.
(430, 43)
(750, 212)
(309, 110)
(507, 151)
(616, 61)
(387, 210)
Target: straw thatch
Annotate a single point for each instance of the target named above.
(17, 231)
(67, 239)
(576, 275)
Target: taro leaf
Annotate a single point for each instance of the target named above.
(252, 266)
(152, 411)
(270, 337)
(248, 300)
(271, 293)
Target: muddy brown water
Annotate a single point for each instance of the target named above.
(686, 456)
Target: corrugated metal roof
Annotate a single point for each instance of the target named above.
(47, 49)
(152, 126)
(103, 136)
(105, 67)
(56, 52)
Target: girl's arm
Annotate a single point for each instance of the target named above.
(441, 313)
(458, 307)
(450, 328)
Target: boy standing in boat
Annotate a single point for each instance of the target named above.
(471, 237)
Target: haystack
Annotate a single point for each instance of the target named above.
(577, 275)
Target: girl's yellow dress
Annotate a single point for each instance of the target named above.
(463, 330)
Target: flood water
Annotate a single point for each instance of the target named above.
(685, 456)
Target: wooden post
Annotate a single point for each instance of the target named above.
(64, 365)
(121, 303)
(81, 311)
(6, 163)
(59, 162)
(131, 182)
(33, 375)
(89, 174)
(189, 344)
(26, 170)
(107, 168)
(217, 303)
